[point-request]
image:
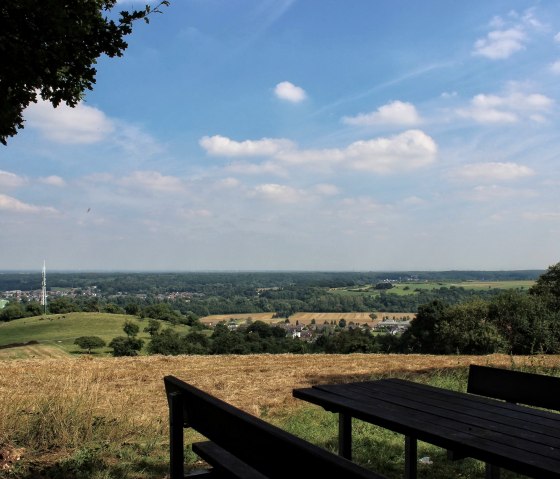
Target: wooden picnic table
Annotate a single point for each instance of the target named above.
(519, 438)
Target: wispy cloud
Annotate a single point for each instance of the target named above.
(510, 35)
(501, 44)
(11, 180)
(508, 108)
(53, 180)
(11, 204)
(492, 171)
(152, 180)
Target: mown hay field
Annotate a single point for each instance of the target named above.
(251, 382)
(306, 318)
(50, 408)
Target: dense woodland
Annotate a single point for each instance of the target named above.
(449, 319)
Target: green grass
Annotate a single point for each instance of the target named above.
(408, 288)
(61, 330)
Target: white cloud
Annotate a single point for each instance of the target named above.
(406, 151)
(218, 145)
(555, 67)
(227, 183)
(9, 203)
(500, 44)
(196, 213)
(277, 193)
(394, 113)
(82, 124)
(53, 180)
(542, 216)
(508, 108)
(449, 94)
(493, 171)
(403, 152)
(152, 180)
(495, 192)
(557, 37)
(11, 180)
(290, 92)
(325, 189)
(267, 167)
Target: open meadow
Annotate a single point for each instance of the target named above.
(107, 417)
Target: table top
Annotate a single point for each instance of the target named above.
(519, 438)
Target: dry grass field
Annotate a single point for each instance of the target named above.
(306, 318)
(50, 407)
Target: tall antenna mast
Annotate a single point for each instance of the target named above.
(44, 288)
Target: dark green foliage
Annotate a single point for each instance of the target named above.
(421, 336)
(49, 49)
(113, 308)
(133, 309)
(161, 311)
(131, 329)
(126, 346)
(382, 286)
(548, 286)
(33, 308)
(14, 310)
(346, 342)
(153, 327)
(89, 342)
(62, 305)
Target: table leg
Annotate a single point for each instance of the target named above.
(410, 457)
(492, 472)
(345, 436)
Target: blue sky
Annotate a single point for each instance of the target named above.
(301, 135)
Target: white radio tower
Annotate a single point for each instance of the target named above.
(44, 289)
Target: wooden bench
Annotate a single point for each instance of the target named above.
(244, 446)
(515, 386)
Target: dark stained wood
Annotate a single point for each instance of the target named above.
(269, 450)
(515, 386)
(519, 438)
(225, 464)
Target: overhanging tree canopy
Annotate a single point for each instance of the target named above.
(49, 48)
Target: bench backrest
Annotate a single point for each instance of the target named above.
(269, 449)
(515, 386)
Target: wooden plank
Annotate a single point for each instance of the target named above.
(460, 409)
(268, 449)
(225, 464)
(515, 386)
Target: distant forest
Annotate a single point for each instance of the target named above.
(211, 282)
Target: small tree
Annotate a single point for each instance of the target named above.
(131, 329)
(89, 342)
(153, 327)
(126, 346)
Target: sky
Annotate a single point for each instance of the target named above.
(301, 135)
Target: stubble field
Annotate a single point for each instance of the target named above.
(51, 408)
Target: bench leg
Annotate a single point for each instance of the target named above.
(410, 457)
(345, 436)
(176, 438)
(492, 472)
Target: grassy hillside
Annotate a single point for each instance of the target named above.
(60, 330)
(107, 417)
